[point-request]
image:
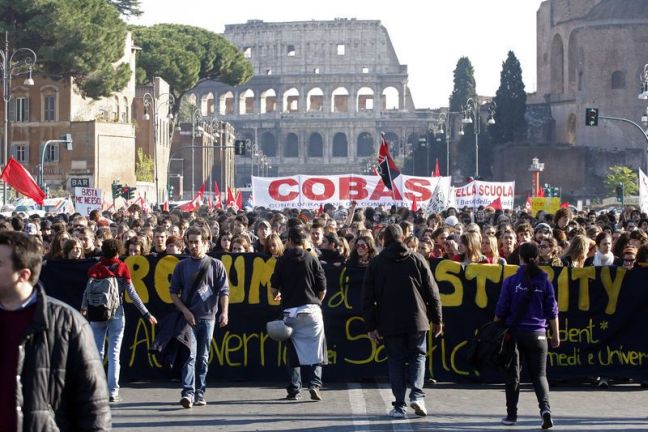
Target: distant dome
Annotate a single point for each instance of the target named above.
(619, 9)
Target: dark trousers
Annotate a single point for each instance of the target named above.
(312, 373)
(406, 362)
(532, 347)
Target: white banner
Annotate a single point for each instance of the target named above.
(480, 193)
(304, 191)
(643, 191)
(87, 199)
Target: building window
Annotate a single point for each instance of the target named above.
(20, 110)
(316, 71)
(291, 50)
(20, 152)
(341, 49)
(247, 52)
(52, 153)
(49, 108)
(365, 70)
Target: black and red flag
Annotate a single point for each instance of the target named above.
(387, 168)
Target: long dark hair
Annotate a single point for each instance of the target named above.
(529, 253)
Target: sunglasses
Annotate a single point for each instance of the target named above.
(361, 246)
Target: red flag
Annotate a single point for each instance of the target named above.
(201, 191)
(386, 166)
(229, 202)
(16, 176)
(239, 199)
(541, 192)
(217, 195)
(210, 203)
(165, 206)
(528, 202)
(320, 210)
(497, 204)
(564, 205)
(414, 206)
(437, 171)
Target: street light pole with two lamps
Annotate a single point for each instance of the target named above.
(151, 102)
(196, 114)
(472, 116)
(11, 67)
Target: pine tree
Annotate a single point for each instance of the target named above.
(463, 157)
(510, 123)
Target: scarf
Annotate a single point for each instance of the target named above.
(603, 259)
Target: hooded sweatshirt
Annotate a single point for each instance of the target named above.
(400, 295)
(299, 277)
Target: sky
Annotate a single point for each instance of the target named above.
(428, 36)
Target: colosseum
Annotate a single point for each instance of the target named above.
(321, 94)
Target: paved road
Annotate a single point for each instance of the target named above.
(363, 407)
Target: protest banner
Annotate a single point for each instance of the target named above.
(480, 193)
(602, 319)
(547, 205)
(87, 199)
(368, 191)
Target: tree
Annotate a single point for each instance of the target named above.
(185, 55)
(510, 125)
(143, 166)
(464, 88)
(621, 174)
(127, 7)
(82, 39)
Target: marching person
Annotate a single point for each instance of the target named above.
(299, 282)
(400, 298)
(111, 266)
(531, 313)
(200, 310)
(51, 377)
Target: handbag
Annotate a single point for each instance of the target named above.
(167, 348)
(493, 345)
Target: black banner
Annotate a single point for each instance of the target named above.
(603, 319)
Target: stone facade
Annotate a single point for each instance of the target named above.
(321, 94)
(590, 53)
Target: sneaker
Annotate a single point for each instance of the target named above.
(315, 394)
(293, 396)
(419, 407)
(397, 413)
(186, 402)
(603, 383)
(200, 402)
(509, 420)
(547, 422)
(114, 398)
(644, 384)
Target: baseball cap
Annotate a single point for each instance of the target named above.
(542, 226)
(452, 221)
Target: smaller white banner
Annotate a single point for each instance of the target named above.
(87, 199)
(480, 193)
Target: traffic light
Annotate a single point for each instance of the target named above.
(591, 116)
(620, 189)
(116, 190)
(131, 193)
(240, 147)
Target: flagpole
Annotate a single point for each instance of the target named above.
(387, 156)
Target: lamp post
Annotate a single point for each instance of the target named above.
(151, 102)
(65, 139)
(445, 128)
(195, 114)
(472, 116)
(24, 63)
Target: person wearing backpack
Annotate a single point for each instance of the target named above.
(103, 305)
(529, 330)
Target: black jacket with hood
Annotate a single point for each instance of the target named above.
(299, 277)
(400, 295)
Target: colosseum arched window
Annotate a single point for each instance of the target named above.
(246, 102)
(268, 101)
(207, 103)
(291, 148)
(340, 100)
(226, 103)
(557, 65)
(315, 100)
(365, 100)
(340, 145)
(365, 144)
(291, 100)
(315, 145)
(393, 140)
(618, 80)
(269, 144)
(391, 99)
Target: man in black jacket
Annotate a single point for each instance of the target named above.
(61, 382)
(400, 298)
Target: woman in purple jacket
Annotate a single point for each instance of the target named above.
(530, 332)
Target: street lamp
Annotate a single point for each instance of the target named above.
(643, 77)
(23, 64)
(195, 115)
(151, 103)
(65, 139)
(472, 116)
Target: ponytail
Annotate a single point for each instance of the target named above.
(529, 253)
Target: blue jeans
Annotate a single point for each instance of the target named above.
(313, 373)
(406, 362)
(194, 370)
(115, 333)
